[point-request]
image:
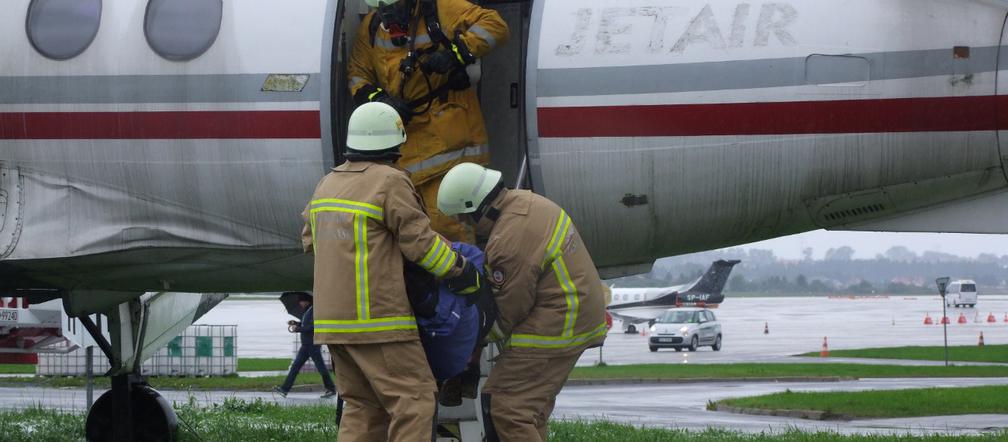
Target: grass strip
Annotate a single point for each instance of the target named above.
(888, 403)
(701, 371)
(965, 353)
(263, 364)
(646, 372)
(242, 421)
(17, 369)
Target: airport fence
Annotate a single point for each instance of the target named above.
(202, 350)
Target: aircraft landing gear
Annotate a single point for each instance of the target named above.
(130, 411)
(630, 329)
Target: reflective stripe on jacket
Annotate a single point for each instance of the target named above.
(362, 220)
(549, 295)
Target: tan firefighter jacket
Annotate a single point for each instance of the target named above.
(363, 219)
(549, 296)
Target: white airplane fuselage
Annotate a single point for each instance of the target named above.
(662, 127)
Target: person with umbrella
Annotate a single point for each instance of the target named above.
(299, 304)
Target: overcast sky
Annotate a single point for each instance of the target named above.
(868, 244)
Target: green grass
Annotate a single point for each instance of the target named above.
(242, 421)
(887, 404)
(699, 371)
(646, 371)
(263, 364)
(17, 369)
(966, 353)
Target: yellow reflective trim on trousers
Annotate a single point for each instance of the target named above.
(538, 341)
(570, 295)
(361, 267)
(365, 325)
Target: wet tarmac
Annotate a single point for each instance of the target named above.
(797, 325)
(670, 406)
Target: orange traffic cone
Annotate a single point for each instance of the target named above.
(766, 328)
(945, 320)
(962, 319)
(928, 320)
(980, 343)
(824, 353)
(991, 318)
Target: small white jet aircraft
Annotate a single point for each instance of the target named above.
(636, 305)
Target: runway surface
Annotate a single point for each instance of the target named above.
(797, 325)
(671, 406)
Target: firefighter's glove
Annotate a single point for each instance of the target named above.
(440, 62)
(401, 107)
(466, 283)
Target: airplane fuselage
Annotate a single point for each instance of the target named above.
(662, 127)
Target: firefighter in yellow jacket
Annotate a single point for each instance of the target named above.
(364, 218)
(418, 56)
(550, 300)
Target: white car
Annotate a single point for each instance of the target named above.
(688, 328)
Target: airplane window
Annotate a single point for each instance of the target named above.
(636, 297)
(181, 30)
(62, 29)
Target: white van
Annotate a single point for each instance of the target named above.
(961, 292)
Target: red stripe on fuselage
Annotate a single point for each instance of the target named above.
(944, 114)
(159, 125)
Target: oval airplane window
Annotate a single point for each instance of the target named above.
(181, 30)
(62, 29)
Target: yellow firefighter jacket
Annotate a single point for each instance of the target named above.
(450, 131)
(549, 296)
(362, 221)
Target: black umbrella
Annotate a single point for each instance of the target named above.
(291, 302)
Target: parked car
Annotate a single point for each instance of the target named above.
(961, 292)
(688, 328)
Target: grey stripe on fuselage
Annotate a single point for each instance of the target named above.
(101, 89)
(755, 74)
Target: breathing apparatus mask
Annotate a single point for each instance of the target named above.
(395, 18)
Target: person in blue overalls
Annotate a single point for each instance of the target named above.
(308, 350)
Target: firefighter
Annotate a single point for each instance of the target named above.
(364, 218)
(550, 300)
(420, 57)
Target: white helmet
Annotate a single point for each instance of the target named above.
(465, 187)
(378, 3)
(375, 127)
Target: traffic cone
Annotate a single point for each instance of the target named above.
(766, 328)
(945, 320)
(980, 343)
(991, 318)
(824, 353)
(928, 320)
(962, 319)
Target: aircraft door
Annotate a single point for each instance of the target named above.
(341, 22)
(1002, 90)
(11, 205)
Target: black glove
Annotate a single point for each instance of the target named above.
(400, 106)
(440, 62)
(466, 283)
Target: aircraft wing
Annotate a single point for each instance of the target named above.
(628, 318)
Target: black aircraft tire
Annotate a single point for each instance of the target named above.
(153, 418)
(631, 329)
